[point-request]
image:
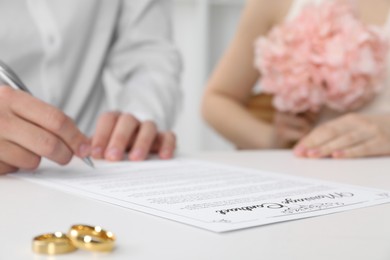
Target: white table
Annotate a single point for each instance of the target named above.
(28, 209)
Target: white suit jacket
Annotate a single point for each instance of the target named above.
(90, 56)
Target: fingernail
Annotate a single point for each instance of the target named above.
(300, 151)
(136, 155)
(338, 154)
(97, 152)
(113, 154)
(314, 153)
(84, 150)
(166, 154)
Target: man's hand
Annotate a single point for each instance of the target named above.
(31, 129)
(350, 136)
(118, 133)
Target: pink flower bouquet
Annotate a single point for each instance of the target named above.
(324, 57)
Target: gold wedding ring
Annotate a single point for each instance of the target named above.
(91, 238)
(52, 244)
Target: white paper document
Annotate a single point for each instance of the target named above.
(212, 196)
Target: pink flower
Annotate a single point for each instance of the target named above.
(324, 57)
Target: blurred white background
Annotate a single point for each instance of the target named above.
(203, 29)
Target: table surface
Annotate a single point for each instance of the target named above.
(29, 209)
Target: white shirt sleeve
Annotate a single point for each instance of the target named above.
(143, 69)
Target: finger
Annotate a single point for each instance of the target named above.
(168, 145)
(104, 128)
(320, 136)
(15, 155)
(144, 140)
(343, 142)
(120, 138)
(51, 119)
(37, 140)
(365, 149)
(327, 133)
(6, 168)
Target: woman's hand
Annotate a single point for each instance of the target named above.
(350, 136)
(118, 133)
(290, 128)
(31, 129)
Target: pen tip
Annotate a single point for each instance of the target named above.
(88, 161)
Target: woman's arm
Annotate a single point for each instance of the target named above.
(232, 81)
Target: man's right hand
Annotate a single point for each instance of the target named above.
(31, 129)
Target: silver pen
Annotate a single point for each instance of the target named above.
(9, 77)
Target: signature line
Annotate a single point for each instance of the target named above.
(319, 210)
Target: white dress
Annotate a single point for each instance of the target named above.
(381, 103)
